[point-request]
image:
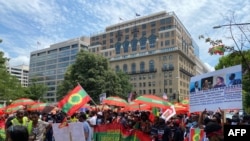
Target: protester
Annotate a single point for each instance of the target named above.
(87, 129)
(18, 133)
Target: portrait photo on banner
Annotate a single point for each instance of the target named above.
(219, 81)
(234, 78)
(195, 86)
(207, 83)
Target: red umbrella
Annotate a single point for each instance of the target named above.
(153, 101)
(23, 101)
(115, 101)
(133, 106)
(43, 107)
(13, 108)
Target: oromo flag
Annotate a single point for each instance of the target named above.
(74, 100)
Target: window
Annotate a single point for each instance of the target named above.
(125, 67)
(126, 30)
(170, 57)
(167, 43)
(152, 41)
(151, 65)
(152, 24)
(166, 34)
(125, 46)
(142, 67)
(144, 26)
(149, 84)
(149, 91)
(117, 68)
(118, 48)
(165, 66)
(143, 42)
(134, 44)
(64, 48)
(133, 68)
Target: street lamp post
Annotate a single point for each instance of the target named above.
(219, 26)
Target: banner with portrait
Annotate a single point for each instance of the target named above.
(221, 88)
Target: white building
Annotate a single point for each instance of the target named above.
(21, 72)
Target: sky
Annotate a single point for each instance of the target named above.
(29, 25)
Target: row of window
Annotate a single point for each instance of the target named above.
(53, 56)
(152, 24)
(133, 67)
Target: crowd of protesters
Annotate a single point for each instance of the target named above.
(35, 126)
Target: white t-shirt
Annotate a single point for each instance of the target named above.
(92, 121)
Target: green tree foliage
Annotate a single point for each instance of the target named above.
(94, 74)
(236, 59)
(10, 86)
(35, 90)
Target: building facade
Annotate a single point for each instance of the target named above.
(21, 72)
(49, 65)
(155, 50)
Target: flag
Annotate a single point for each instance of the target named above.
(136, 14)
(170, 112)
(120, 19)
(164, 96)
(64, 123)
(38, 43)
(74, 100)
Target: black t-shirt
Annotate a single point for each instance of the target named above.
(163, 133)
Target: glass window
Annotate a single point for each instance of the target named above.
(134, 44)
(125, 67)
(63, 59)
(144, 26)
(117, 68)
(74, 46)
(152, 24)
(127, 30)
(166, 34)
(151, 65)
(51, 67)
(167, 43)
(62, 65)
(64, 48)
(74, 51)
(118, 48)
(104, 36)
(142, 67)
(125, 46)
(152, 41)
(52, 51)
(73, 57)
(133, 68)
(53, 77)
(143, 42)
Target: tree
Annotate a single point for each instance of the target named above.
(35, 90)
(94, 74)
(10, 86)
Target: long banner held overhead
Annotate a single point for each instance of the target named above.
(217, 89)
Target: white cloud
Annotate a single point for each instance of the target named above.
(19, 60)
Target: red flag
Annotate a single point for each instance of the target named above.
(64, 123)
(74, 100)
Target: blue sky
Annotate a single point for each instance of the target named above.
(23, 23)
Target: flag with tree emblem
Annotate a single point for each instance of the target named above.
(74, 100)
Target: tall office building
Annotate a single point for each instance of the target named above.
(156, 51)
(21, 72)
(49, 65)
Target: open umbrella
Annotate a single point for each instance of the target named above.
(13, 108)
(23, 101)
(153, 101)
(115, 101)
(43, 107)
(179, 108)
(133, 106)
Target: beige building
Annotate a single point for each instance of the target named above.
(155, 50)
